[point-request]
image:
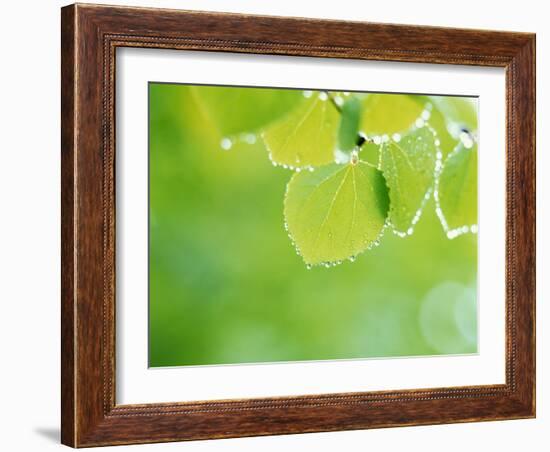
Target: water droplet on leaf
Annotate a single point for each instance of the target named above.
(226, 143)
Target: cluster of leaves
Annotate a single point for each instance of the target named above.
(361, 163)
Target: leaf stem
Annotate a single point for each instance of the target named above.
(333, 102)
(361, 138)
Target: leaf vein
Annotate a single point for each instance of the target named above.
(329, 211)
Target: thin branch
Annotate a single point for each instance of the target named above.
(361, 137)
(333, 101)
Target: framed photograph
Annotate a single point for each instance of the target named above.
(281, 225)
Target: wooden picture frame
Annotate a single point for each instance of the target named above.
(90, 36)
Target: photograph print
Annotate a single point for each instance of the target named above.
(310, 224)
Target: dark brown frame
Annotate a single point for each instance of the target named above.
(90, 35)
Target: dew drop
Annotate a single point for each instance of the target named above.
(250, 138)
(396, 137)
(307, 94)
(226, 144)
(354, 158)
(323, 96)
(419, 123)
(341, 156)
(466, 139)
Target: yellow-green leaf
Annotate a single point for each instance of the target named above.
(438, 122)
(456, 194)
(462, 111)
(306, 137)
(336, 211)
(409, 168)
(389, 113)
(234, 110)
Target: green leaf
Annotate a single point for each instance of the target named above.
(336, 211)
(349, 124)
(370, 153)
(388, 113)
(234, 110)
(306, 137)
(462, 111)
(438, 122)
(409, 168)
(456, 194)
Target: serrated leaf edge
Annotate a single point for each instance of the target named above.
(451, 233)
(437, 168)
(299, 167)
(328, 264)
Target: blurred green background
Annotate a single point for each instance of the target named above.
(226, 285)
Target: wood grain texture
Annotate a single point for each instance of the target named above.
(68, 297)
(90, 36)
